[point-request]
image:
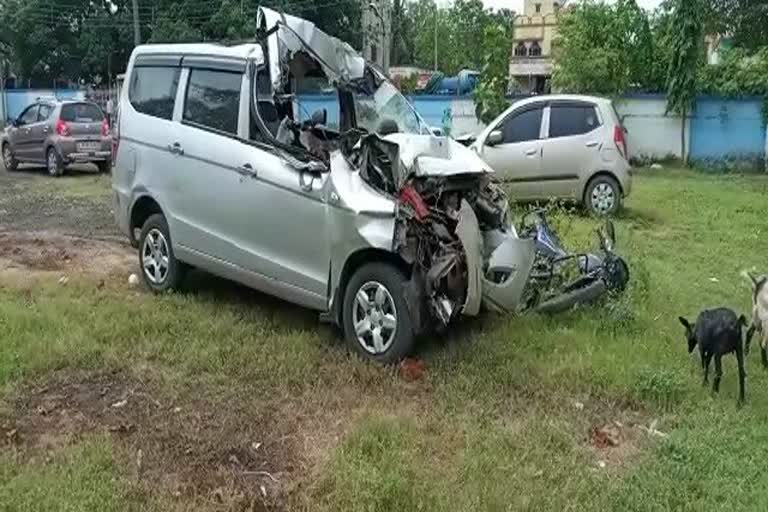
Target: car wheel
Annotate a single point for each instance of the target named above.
(159, 267)
(54, 164)
(603, 195)
(376, 319)
(9, 161)
(104, 167)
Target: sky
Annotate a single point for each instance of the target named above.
(517, 5)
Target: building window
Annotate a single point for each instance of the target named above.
(374, 53)
(538, 8)
(521, 50)
(556, 6)
(534, 50)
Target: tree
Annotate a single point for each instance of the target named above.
(686, 59)
(616, 41)
(745, 20)
(490, 92)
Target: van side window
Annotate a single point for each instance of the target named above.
(213, 99)
(565, 120)
(153, 90)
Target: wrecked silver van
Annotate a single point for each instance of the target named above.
(358, 211)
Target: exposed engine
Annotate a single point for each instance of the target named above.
(426, 235)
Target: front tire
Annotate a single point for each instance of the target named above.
(54, 163)
(104, 167)
(603, 195)
(9, 161)
(159, 267)
(376, 319)
(580, 296)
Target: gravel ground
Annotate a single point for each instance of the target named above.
(76, 204)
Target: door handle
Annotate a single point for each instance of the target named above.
(591, 144)
(176, 148)
(531, 152)
(247, 170)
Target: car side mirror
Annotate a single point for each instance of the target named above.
(319, 117)
(495, 137)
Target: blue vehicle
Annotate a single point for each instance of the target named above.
(551, 289)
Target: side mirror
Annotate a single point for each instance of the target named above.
(495, 137)
(319, 117)
(437, 132)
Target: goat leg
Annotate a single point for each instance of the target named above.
(750, 332)
(718, 373)
(763, 356)
(706, 358)
(742, 373)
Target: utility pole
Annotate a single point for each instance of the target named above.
(436, 18)
(136, 32)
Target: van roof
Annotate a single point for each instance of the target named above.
(241, 51)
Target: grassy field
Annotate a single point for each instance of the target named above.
(222, 384)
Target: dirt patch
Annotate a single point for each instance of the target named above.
(52, 251)
(218, 451)
(31, 200)
(615, 443)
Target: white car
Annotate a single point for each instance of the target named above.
(560, 146)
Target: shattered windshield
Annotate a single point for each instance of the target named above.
(387, 111)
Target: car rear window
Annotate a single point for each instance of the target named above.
(565, 120)
(81, 113)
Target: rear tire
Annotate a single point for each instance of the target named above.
(9, 161)
(603, 195)
(54, 163)
(159, 267)
(374, 301)
(104, 167)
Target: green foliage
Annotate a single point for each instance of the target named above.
(615, 40)
(457, 33)
(744, 20)
(490, 92)
(686, 55)
(47, 39)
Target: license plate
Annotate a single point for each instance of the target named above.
(88, 146)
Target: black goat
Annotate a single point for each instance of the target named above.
(717, 332)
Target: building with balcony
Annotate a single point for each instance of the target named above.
(530, 66)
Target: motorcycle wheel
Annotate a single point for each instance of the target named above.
(583, 295)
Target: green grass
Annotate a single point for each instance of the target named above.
(493, 425)
(77, 479)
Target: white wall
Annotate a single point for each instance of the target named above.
(651, 134)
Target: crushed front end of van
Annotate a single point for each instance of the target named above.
(396, 187)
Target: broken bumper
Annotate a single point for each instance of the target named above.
(498, 281)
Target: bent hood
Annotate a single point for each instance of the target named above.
(428, 155)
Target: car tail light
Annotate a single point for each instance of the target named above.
(105, 128)
(619, 140)
(62, 128)
(409, 195)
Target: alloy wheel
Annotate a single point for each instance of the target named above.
(155, 257)
(374, 317)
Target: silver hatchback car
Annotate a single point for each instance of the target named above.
(562, 146)
(58, 133)
(355, 210)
